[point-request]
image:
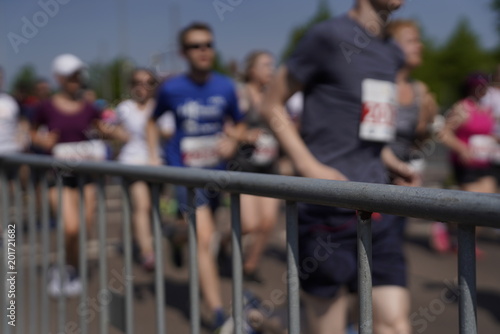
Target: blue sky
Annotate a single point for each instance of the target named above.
(93, 29)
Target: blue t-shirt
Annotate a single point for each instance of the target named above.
(200, 111)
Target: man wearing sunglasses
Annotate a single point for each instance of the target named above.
(201, 101)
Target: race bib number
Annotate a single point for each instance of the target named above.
(482, 147)
(266, 150)
(378, 116)
(92, 150)
(200, 151)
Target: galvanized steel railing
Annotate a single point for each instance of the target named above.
(466, 209)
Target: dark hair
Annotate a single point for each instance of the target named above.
(193, 26)
(250, 62)
(496, 75)
(472, 83)
(143, 69)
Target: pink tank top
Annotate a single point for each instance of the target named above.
(480, 123)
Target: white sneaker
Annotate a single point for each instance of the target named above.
(73, 285)
(54, 286)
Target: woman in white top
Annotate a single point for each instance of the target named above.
(133, 115)
(13, 130)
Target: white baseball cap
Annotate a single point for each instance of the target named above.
(67, 64)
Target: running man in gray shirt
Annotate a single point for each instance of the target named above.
(346, 67)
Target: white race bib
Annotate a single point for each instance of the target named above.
(200, 151)
(92, 150)
(482, 147)
(378, 116)
(266, 150)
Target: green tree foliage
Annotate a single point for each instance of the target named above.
(24, 80)
(220, 65)
(322, 14)
(445, 67)
(110, 80)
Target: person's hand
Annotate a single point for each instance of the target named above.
(406, 175)
(317, 170)
(226, 147)
(48, 140)
(155, 161)
(410, 179)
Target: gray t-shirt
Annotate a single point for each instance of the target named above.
(332, 62)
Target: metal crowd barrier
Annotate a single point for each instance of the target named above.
(466, 209)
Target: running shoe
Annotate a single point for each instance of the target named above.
(440, 238)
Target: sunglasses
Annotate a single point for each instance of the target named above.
(75, 77)
(198, 46)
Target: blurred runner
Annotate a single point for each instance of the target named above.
(416, 111)
(469, 134)
(347, 68)
(201, 101)
(133, 115)
(13, 128)
(68, 120)
(492, 100)
(258, 153)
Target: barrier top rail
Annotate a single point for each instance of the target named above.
(431, 204)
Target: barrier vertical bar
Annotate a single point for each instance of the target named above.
(467, 279)
(82, 241)
(61, 256)
(237, 258)
(365, 272)
(159, 284)
(20, 314)
(194, 285)
(292, 249)
(5, 219)
(103, 263)
(127, 239)
(44, 297)
(33, 289)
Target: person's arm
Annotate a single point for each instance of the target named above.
(274, 111)
(454, 119)
(153, 138)
(112, 131)
(403, 174)
(235, 129)
(428, 110)
(23, 133)
(153, 130)
(46, 140)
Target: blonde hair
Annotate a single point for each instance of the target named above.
(395, 26)
(250, 63)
